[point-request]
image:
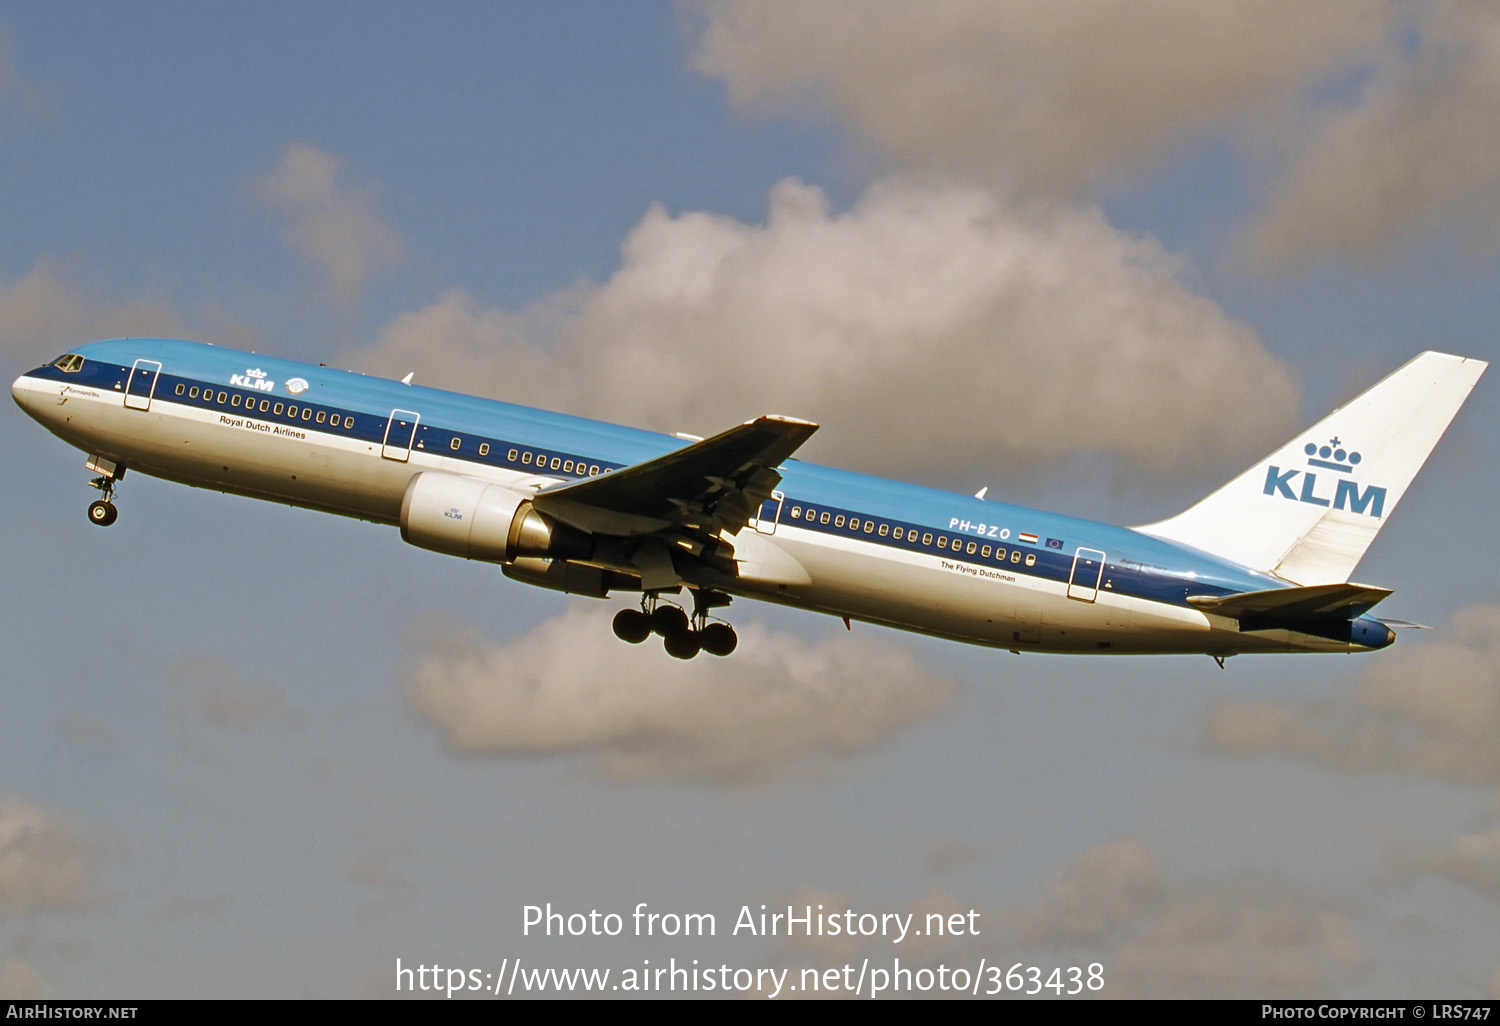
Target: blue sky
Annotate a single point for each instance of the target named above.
(1096, 261)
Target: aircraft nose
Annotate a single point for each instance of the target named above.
(18, 392)
(28, 396)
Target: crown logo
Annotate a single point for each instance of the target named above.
(256, 373)
(1332, 456)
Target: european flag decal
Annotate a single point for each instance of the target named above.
(1054, 543)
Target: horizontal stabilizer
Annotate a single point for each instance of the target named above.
(1318, 602)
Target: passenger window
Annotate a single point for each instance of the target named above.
(307, 413)
(291, 411)
(454, 444)
(898, 533)
(556, 463)
(1015, 555)
(1031, 559)
(265, 404)
(234, 400)
(193, 392)
(942, 541)
(838, 521)
(985, 552)
(796, 512)
(223, 396)
(969, 549)
(885, 529)
(926, 539)
(349, 422)
(322, 414)
(593, 470)
(823, 517)
(180, 388)
(277, 409)
(869, 527)
(568, 467)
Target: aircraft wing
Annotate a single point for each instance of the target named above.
(714, 485)
(1316, 602)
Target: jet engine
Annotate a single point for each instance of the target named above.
(475, 519)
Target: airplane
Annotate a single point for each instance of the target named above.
(1263, 564)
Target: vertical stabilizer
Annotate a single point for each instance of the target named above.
(1308, 511)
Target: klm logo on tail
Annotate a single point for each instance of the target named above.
(1346, 491)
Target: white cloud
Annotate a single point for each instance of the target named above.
(1227, 945)
(1152, 933)
(931, 327)
(20, 97)
(8, 76)
(1050, 96)
(1159, 936)
(333, 226)
(22, 981)
(1430, 707)
(570, 687)
(1371, 120)
(42, 316)
(222, 696)
(1416, 150)
(1473, 859)
(46, 859)
(1100, 890)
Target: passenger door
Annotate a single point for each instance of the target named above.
(140, 386)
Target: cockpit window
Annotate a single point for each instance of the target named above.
(70, 363)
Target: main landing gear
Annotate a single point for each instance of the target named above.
(102, 511)
(682, 636)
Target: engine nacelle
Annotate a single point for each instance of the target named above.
(475, 519)
(560, 575)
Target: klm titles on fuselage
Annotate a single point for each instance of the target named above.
(1346, 492)
(255, 378)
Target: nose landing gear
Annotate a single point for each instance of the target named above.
(102, 511)
(682, 636)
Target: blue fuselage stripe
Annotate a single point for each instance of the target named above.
(1134, 565)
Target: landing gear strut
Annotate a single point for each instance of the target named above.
(683, 636)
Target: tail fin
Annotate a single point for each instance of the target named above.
(1308, 511)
